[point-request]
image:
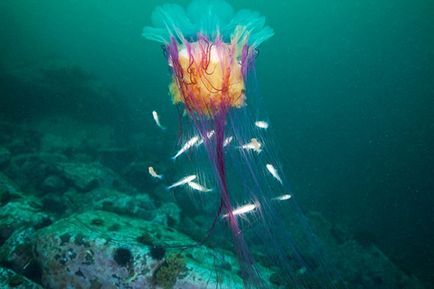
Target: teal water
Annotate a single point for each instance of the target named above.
(348, 87)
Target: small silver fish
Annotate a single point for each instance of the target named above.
(227, 141)
(186, 146)
(198, 187)
(154, 174)
(242, 210)
(282, 197)
(157, 119)
(253, 145)
(209, 135)
(274, 172)
(182, 181)
(262, 124)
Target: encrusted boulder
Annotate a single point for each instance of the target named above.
(8, 190)
(53, 184)
(351, 257)
(19, 214)
(10, 279)
(85, 177)
(378, 271)
(138, 205)
(17, 253)
(104, 250)
(112, 200)
(134, 205)
(29, 171)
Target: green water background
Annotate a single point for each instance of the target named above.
(348, 86)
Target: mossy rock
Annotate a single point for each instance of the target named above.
(173, 267)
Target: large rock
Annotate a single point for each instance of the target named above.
(112, 200)
(8, 190)
(10, 279)
(378, 271)
(43, 173)
(17, 252)
(19, 214)
(30, 171)
(86, 177)
(53, 184)
(362, 266)
(137, 205)
(104, 250)
(23, 141)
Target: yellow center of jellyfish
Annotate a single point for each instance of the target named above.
(208, 77)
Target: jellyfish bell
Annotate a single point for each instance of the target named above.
(208, 75)
(210, 49)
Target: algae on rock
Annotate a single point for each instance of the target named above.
(168, 272)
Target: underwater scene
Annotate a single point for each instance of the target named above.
(204, 144)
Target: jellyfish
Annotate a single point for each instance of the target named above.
(225, 143)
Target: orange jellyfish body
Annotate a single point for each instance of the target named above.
(208, 76)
